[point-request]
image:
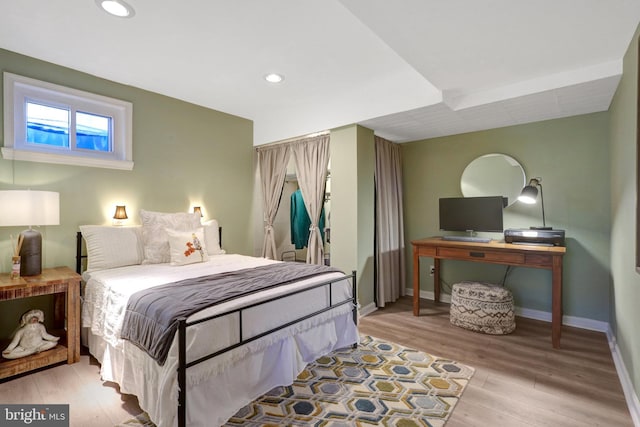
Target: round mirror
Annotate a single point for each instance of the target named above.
(493, 175)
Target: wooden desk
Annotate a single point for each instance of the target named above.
(547, 257)
(64, 284)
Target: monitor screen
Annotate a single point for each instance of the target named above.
(472, 213)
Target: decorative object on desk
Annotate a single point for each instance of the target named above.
(530, 194)
(378, 383)
(31, 337)
(120, 215)
(482, 307)
(30, 208)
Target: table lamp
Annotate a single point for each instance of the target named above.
(120, 215)
(530, 194)
(29, 208)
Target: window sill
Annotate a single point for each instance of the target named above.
(32, 156)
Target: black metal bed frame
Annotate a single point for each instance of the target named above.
(183, 324)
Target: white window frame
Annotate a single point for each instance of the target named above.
(19, 89)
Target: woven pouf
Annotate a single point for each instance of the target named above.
(482, 307)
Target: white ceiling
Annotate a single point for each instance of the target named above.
(408, 69)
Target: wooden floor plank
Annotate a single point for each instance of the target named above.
(20, 390)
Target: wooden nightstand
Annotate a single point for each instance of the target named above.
(64, 284)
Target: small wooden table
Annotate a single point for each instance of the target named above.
(547, 257)
(64, 284)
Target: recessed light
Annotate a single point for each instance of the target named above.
(117, 8)
(274, 78)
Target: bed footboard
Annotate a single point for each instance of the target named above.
(183, 324)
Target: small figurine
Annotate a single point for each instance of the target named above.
(31, 338)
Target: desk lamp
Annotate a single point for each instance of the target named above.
(29, 208)
(529, 195)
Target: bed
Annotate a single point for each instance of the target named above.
(221, 356)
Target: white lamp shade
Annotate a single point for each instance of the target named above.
(28, 208)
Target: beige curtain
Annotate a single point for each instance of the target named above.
(390, 272)
(311, 156)
(272, 162)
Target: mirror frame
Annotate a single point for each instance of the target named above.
(497, 182)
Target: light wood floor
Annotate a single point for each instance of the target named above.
(520, 380)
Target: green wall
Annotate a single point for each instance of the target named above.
(571, 155)
(184, 155)
(352, 205)
(626, 281)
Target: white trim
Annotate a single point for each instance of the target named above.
(19, 89)
(32, 156)
(625, 380)
(367, 309)
(578, 322)
(429, 295)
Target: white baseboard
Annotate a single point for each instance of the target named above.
(429, 295)
(625, 380)
(579, 322)
(367, 309)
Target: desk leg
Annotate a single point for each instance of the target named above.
(416, 282)
(556, 302)
(436, 280)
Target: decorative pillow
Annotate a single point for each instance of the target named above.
(154, 236)
(212, 237)
(187, 247)
(111, 247)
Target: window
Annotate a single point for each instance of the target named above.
(49, 123)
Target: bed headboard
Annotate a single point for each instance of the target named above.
(80, 255)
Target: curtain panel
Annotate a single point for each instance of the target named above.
(311, 156)
(390, 248)
(272, 162)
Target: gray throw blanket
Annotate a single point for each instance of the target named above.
(150, 321)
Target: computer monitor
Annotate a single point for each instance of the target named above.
(472, 213)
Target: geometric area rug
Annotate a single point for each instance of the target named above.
(379, 383)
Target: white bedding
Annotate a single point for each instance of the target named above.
(217, 388)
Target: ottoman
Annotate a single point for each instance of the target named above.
(482, 307)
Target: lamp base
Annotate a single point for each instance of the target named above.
(31, 253)
(540, 228)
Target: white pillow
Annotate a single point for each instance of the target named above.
(187, 247)
(212, 237)
(111, 247)
(154, 237)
